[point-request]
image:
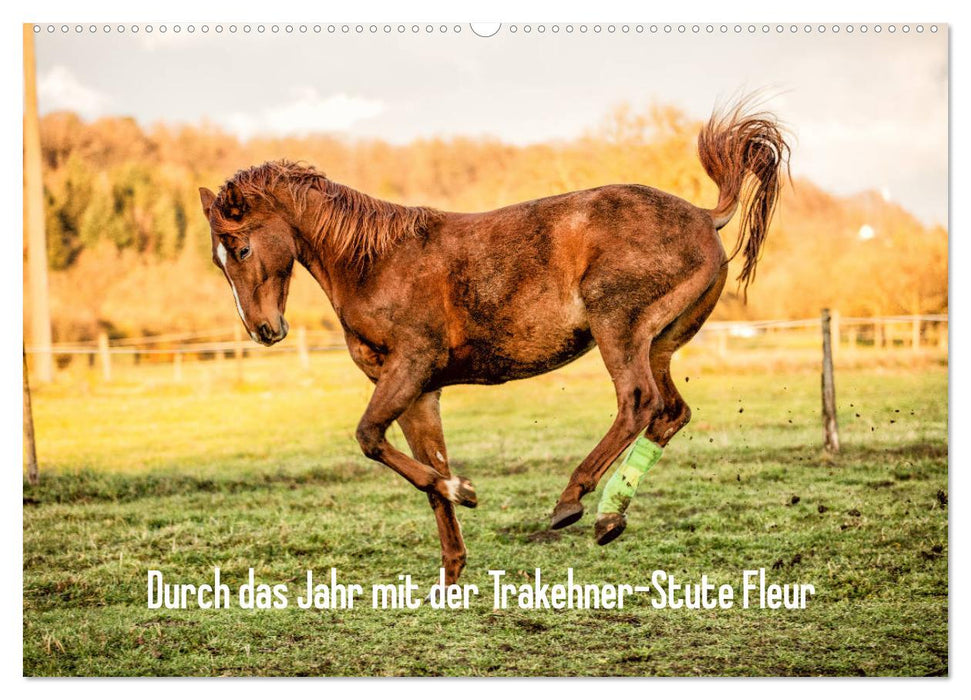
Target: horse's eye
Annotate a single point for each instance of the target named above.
(243, 253)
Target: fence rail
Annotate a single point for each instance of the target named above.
(178, 344)
(814, 322)
(723, 338)
(915, 331)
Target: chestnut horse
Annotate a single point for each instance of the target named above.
(429, 298)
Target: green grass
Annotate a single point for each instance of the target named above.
(147, 474)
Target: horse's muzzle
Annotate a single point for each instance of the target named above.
(267, 335)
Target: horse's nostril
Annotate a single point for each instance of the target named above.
(265, 331)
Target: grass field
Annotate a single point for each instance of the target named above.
(146, 474)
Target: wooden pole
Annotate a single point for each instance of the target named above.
(105, 356)
(915, 334)
(831, 439)
(238, 352)
(40, 309)
(302, 349)
(33, 476)
(177, 366)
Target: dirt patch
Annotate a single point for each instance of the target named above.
(544, 536)
(631, 620)
(531, 625)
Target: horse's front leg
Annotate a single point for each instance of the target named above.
(398, 387)
(422, 426)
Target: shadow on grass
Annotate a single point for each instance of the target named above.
(92, 486)
(849, 454)
(89, 485)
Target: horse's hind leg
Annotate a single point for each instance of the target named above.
(638, 401)
(676, 413)
(627, 351)
(422, 426)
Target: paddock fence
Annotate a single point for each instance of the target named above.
(723, 341)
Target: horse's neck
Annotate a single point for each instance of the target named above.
(313, 252)
(317, 252)
(320, 268)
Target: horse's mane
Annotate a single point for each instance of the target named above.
(354, 226)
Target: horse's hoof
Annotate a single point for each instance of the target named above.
(609, 527)
(462, 492)
(566, 514)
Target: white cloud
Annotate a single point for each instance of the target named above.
(59, 89)
(306, 113)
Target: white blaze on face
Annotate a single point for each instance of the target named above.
(222, 256)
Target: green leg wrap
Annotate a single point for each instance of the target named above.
(619, 491)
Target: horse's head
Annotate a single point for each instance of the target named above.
(254, 247)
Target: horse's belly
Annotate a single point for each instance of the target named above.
(515, 326)
(516, 356)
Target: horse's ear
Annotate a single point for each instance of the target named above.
(208, 197)
(234, 205)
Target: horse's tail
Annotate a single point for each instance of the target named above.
(733, 144)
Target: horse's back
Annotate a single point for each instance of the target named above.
(598, 217)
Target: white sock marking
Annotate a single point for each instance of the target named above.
(452, 487)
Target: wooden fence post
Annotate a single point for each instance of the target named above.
(238, 352)
(219, 356)
(105, 356)
(915, 334)
(831, 440)
(302, 349)
(33, 476)
(177, 366)
(36, 282)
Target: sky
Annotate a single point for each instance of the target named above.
(868, 111)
